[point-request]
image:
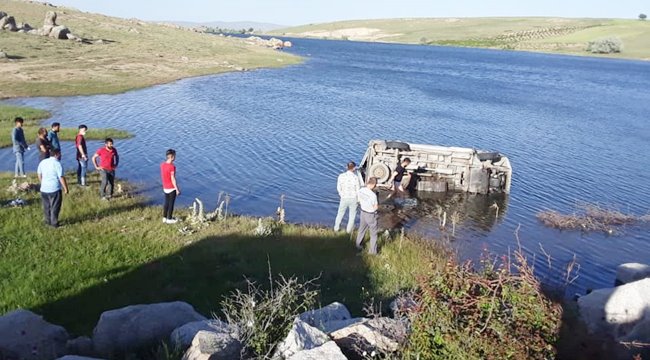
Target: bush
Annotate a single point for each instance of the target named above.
(264, 317)
(642, 16)
(605, 46)
(497, 312)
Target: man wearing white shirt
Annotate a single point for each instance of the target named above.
(347, 185)
(368, 219)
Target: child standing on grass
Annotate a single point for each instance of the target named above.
(170, 187)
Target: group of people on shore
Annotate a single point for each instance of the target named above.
(352, 194)
(106, 159)
(50, 171)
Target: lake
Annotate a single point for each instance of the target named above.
(575, 129)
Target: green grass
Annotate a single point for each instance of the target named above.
(32, 122)
(117, 253)
(134, 54)
(559, 35)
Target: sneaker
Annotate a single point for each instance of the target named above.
(104, 198)
(164, 220)
(171, 221)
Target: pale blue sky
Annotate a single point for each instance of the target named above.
(296, 12)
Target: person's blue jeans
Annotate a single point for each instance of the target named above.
(82, 169)
(20, 164)
(106, 186)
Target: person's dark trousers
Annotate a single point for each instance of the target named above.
(168, 208)
(368, 221)
(108, 179)
(52, 207)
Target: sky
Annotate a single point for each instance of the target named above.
(299, 12)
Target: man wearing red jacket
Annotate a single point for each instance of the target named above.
(108, 161)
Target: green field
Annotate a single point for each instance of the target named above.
(133, 54)
(113, 254)
(559, 35)
(32, 122)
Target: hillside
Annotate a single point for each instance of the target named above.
(560, 35)
(131, 54)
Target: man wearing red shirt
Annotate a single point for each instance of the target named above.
(170, 187)
(108, 161)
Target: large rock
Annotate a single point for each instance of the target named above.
(133, 327)
(317, 318)
(327, 351)
(60, 32)
(334, 325)
(379, 335)
(82, 345)
(8, 23)
(183, 336)
(630, 272)
(616, 311)
(50, 19)
(208, 345)
(25, 335)
(2, 14)
(302, 336)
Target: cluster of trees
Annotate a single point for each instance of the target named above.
(642, 16)
(218, 30)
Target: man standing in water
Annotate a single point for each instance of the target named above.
(53, 136)
(170, 187)
(19, 147)
(108, 162)
(368, 218)
(398, 174)
(347, 185)
(82, 155)
(50, 174)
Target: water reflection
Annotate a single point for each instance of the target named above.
(425, 212)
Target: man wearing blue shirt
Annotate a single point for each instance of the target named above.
(50, 174)
(19, 147)
(53, 136)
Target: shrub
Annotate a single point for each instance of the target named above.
(642, 16)
(496, 312)
(264, 317)
(605, 46)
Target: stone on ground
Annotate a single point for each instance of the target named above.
(25, 335)
(121, 331)
(208, 345)
(184, 335)
(379, 336)
(630, 272)
(327, 351)
(302, 336)
(317, 318)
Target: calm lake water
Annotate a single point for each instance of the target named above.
(575, 129)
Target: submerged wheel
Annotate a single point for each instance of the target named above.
(380, 171)
(398, 145)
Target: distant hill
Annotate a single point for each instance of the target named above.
(559, 35)
(116, 55)
(258, 26)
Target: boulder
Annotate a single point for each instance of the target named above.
(60, 32)
(82, 345)
(45, 30)
(184, 335)
(379, 335)
(630, 272)
(8, 23)
(208, 345)
(2, 14)
(302, 336)
(331, 312)
(329, 351)
(133, 327)
(26, 27)
(275, 43)
(288, 44)
(50, 19)
(26, 335)
(334, 325)
(616, 311)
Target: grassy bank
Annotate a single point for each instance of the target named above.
(555, 35)
(132, 54)
(33, 118)
(112, 254)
